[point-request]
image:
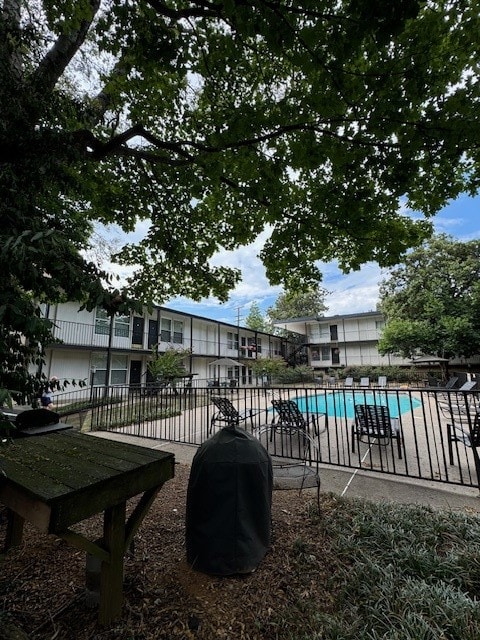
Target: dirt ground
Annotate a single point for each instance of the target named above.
(42, 583)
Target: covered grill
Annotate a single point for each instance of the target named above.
(229, 499)
(33, 422)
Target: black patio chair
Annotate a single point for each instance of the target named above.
(373, 424)
(228, 414)
(466, 431)
(287, 417)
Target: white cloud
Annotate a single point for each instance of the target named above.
(355, 292)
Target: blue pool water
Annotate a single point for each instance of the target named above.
(341, 404)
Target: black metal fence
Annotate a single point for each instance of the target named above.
(428, 435)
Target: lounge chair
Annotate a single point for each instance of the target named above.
(348, 383)
(373, 424)
(382, 382)
(450, 384)
(455, 400)
(288, 417)
(228, 414)
(364, 383)
(468, 433)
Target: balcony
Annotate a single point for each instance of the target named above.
(76, 334)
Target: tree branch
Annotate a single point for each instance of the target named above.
(56, 60)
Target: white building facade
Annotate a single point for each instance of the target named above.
(343, 340)
(115, 351)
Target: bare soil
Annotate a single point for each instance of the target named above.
(42, 582)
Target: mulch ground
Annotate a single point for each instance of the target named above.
(42, 582)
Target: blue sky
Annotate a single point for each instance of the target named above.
(352, 293)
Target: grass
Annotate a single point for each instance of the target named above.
(400, 573)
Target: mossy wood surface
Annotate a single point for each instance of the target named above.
(61, 478)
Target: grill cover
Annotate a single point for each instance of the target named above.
(229, 500)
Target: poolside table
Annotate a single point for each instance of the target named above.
(59, 479)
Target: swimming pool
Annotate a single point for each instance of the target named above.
(341, 404)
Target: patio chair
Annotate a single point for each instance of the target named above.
(373, 423)
(454, 402)
(450, 384)
(382, 382)
(228, 414)
(348, 383)
(431, 382)
(468, 434)
(288, 418)
(364, 383)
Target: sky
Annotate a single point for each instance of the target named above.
(353, 293)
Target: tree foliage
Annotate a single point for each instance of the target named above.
(215, 121)
(167, 365)
(432, 301)
(255, 319)
(306, 303)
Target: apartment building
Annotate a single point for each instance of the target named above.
(342, 340)
(96, 348)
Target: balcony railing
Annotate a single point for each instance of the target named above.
(88, 335)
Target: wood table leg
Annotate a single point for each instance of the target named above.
(14, 534)
(111, 580)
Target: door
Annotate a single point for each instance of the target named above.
(135, 372)
(335, 356)
(137, 330)
(152, 333)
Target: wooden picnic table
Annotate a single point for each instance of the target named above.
(57, 480)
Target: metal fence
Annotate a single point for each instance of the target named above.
(435, 428)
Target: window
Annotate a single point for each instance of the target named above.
(259, 345)
(118, 372)
(177, 332)
(251, 347)
(122, 326)
(102, 322)
(325, 353)
(166, 330)
(118, 369)
(232, 340)
(333, 332)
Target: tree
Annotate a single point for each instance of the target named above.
(268, 368)
(432, 301)
(216, 120)
(307, 303)
(167, 365)
(255, 319)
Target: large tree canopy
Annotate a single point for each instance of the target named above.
(432, 301)
(306, 303)
(216, 119)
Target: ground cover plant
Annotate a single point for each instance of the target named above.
(354, 570)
